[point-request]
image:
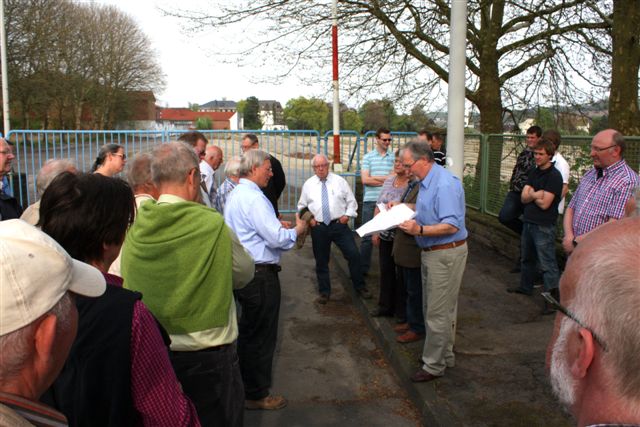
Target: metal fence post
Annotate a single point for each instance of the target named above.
(484, 172)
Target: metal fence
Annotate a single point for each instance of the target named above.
(488, 159)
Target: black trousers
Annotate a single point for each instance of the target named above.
(258, 331)
(393, 292)
(211, 378)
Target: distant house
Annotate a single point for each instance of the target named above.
(141, 106)
(222, 106)
(185, 119)
(271, 115)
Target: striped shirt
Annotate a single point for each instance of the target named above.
(376, 165)
(597, 200)
(18, 411)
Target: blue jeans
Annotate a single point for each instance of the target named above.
(510, 213)
(413, 281)
(539, 243)
(321, 237)
(365, 244)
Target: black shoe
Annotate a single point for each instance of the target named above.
(378, 312)
(518, 290)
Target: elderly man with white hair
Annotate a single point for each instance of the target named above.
(594, 353)
(38, 320)
(9, 206)
(232, 174)
(331, 201)
(49, 170)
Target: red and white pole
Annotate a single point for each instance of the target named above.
(337, 166)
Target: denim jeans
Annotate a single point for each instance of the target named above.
(539, 243)
(510, 213)
(365, 244)
(412, 278)
(321, 237)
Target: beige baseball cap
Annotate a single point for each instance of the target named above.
(35, 272)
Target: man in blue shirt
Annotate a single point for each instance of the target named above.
(251, 215)
(440, 231)
(376, 166)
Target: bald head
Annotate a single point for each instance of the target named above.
(601, 287)
(213, 156)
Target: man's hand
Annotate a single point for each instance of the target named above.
(567, 244)
(343, 219)
(301, 225)
(313, 222)
(286, 224)
(375, 240)
(410, 227)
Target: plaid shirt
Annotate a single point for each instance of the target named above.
(597, 200)
(524, 164)
(222, 194)
(156, 392)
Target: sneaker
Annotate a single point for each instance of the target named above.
(408, 337)
(401, 328)
(269, 403)
(364, 293)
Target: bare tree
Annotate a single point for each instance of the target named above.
(399, 48)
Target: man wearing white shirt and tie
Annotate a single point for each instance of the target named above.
(331, 201)
(213, 157)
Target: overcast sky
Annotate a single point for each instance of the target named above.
(192, 73)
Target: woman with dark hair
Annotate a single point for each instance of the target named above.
(118, 372)
(110, 161)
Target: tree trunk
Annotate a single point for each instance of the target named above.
(625, 63)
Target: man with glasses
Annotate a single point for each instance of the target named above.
(376, 166)
(593, 355)
(199, 142)
(440, 231)
(331, 201)
(9, 207)
(603, 192)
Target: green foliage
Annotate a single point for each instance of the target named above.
(251, 113)
(403, 123)
(377, 113)
(351, 120)
(307, 113)
(419, 119)
(545, 118)
(204, 123)
(193, 107)
(241, 105)
(599, 124)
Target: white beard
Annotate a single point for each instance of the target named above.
(562, 382)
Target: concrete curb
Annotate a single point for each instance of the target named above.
(434, 412)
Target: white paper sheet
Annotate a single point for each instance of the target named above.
(388, 219)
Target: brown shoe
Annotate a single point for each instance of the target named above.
(408, 337)
(269, 403)
(422, 376)
(401, 328)
(323, 299)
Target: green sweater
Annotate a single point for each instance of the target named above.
(178, 256)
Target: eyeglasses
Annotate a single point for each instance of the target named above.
(386, 139)
(406, 166)
(598, 149)
(124, 156)
(397, 161)
(6, 152)
(564, 310)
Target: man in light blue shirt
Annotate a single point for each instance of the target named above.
(377, 164)
(251, 215)
(442, 235)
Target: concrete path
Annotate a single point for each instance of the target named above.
(328, 364)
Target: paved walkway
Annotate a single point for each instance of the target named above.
(499, 378)
(328, 363)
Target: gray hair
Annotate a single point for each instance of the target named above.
(17, 346)
(232, 168)
(419, 150)
(172, 162)
(252, 159)
(138, 170)
(607, 300)
(319, 156)
(49, 170)
(618, 139)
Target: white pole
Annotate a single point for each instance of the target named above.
(457, 67)
(5, 79)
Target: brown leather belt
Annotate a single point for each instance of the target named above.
(261, 268)
(445, 246)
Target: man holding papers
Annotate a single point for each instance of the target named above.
(440, 231)
(331, 201)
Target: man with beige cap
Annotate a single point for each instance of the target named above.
(38, 319)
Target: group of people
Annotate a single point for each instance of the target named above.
(146, 274)
(538, 187)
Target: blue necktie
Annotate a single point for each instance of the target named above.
(326, 213)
